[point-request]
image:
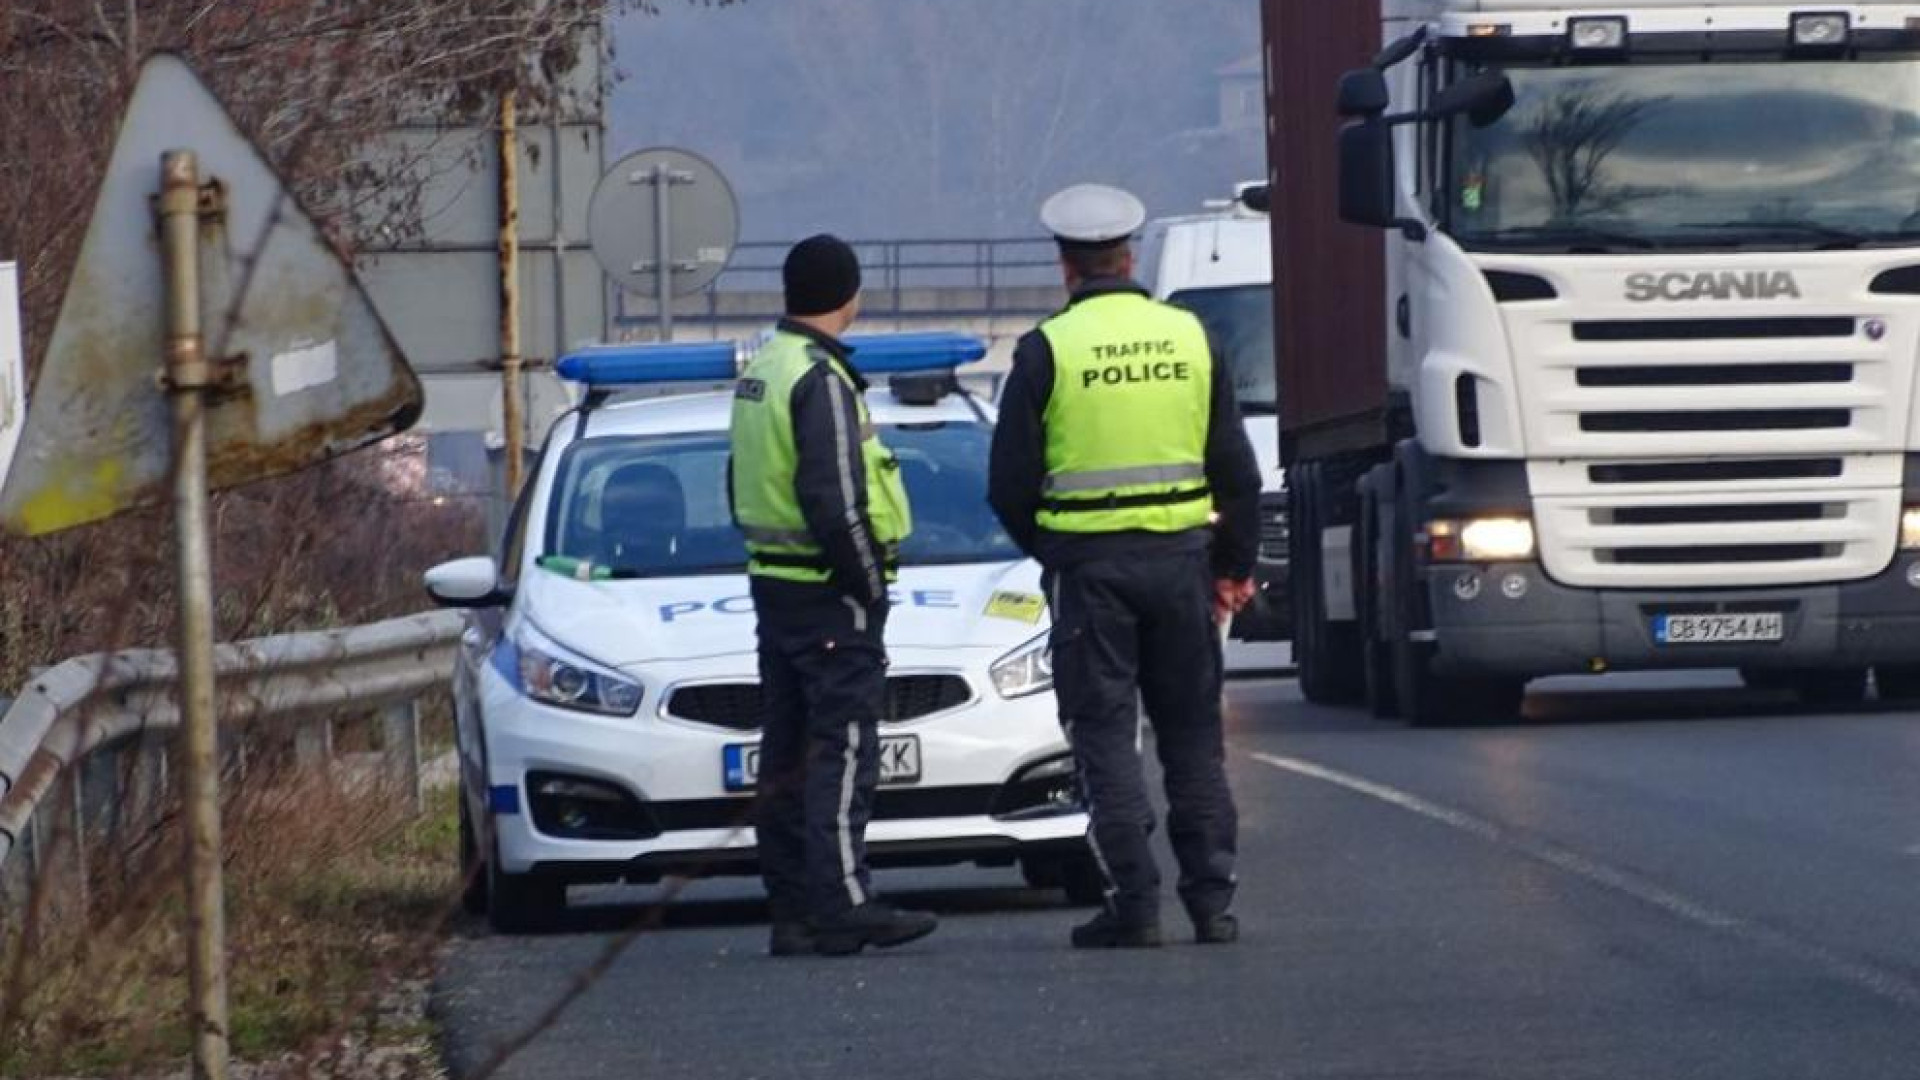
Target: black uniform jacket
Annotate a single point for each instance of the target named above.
(1019, 469)
(830, 481)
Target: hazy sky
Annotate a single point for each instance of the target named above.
(884, 119)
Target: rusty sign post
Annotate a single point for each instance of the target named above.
(274, 360)
(190, 376)
(513, 386)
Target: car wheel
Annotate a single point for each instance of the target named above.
(1085, 885)
(522, 903)
(473, 872)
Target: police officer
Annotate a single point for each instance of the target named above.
(823, 509)
(1118, 448)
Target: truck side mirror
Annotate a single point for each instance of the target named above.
(1363, 93)
(1367, 195)
(1483, 99)
(1369, 179)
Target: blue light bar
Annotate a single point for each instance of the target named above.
(635, 365)
(610, 366)
(901, 354)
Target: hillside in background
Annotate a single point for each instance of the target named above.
(945, 118)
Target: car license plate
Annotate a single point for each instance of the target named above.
(1719, 629)
(899, 762)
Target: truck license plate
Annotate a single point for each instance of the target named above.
(899, 762)
(1719, 629)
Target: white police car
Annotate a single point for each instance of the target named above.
(607, 690)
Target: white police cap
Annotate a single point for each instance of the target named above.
(1093, 214)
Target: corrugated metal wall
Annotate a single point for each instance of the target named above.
(1332, 314)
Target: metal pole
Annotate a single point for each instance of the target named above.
(513, 388)
(663, 241)
(189, 377)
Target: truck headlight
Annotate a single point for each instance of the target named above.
(1026, 670)
(552, 676)
(1489, 539)
(1910, 529)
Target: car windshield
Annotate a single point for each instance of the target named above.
(1240, 318)
(656, 505)
(1724, 154)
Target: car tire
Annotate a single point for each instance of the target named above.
(473, 870)
(523, 903)
(1083, 882)
(1078, 876)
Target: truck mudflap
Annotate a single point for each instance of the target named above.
(1513, 620)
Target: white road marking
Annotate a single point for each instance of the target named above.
(1881, 982)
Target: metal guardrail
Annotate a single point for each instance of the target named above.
(92, 702)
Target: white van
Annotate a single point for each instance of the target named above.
(1219, 265)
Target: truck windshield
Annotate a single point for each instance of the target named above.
(1727, 154)
(656, 505)
(1240, 318)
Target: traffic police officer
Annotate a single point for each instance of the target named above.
(822, 506)
(1121, 464)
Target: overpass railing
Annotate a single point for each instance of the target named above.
(963, 278)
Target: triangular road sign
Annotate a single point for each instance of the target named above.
(322, 374)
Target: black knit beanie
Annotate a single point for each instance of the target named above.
(822, 273)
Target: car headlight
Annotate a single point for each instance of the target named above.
(1491, 539)
(552, 676)
(1026, 670)
(1910, 529)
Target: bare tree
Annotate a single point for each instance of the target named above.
(1571, 136)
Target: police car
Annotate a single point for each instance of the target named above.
(607, 691)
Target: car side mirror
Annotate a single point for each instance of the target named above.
(467, 583)
(1363, 93)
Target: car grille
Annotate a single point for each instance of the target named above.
(740, 707)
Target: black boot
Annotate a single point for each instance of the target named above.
(1108, 931)
(791, 939)
(872, 923)
(1221, 929)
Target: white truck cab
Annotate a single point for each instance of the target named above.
(1219, 265)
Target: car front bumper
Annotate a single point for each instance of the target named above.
(681, 816)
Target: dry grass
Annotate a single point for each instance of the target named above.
(336, 894)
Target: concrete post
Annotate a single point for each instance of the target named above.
(400, 743)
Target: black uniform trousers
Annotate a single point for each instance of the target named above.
(823, 670)
(1127, 632)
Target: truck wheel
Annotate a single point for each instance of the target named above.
(1327, 653)
(473, 872)
(1837, 686)
(522, 903)
(1428, 700)
(1897, 682)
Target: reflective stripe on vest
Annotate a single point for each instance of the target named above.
(1126, 423)
(765, 460)
(1108, 479)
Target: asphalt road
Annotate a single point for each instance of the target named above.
(1653, 878)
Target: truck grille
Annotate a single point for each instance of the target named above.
(1717, 523)
(1734, 442)
(740, 706)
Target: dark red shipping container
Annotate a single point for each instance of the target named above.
(1329, 276)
